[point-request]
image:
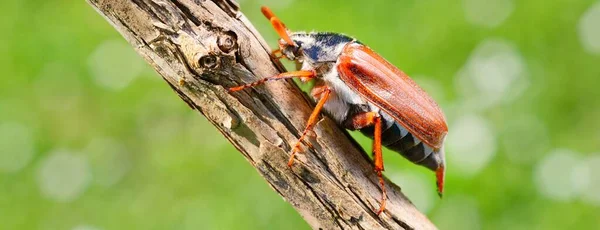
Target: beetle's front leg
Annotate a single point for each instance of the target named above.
(367, 119)
(277, 54)
(323, 93)
(304, 76)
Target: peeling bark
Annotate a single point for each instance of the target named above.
(202, 47)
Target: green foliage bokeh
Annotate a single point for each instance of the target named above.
(72, 87)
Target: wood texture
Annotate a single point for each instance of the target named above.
(202, 47)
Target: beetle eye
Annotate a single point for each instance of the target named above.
(297, 50)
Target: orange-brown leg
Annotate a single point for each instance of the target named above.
(277, 54)
(304, 75)
(363, 120)
(312, 120)
(379, 162)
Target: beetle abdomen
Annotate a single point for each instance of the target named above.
(398, 139)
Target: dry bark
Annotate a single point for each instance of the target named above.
(200, 48)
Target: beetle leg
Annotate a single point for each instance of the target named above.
(317, 93)
(363, 120)
(312, 120)
(304, 75)
(277, 54)
(379, 161)
(309, 134)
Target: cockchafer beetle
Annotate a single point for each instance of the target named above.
(362, 91)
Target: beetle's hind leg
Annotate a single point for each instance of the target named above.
(363, 120)
(379, 162)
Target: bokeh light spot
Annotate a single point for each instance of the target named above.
(114, 64)
(591, 192)
(494, 73)
(86, 227)
(556, 175)
(16, 147)
(63, 176)
(471, 144)
(487, 13)
(589, 29)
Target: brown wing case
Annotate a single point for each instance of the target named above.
(390, 89)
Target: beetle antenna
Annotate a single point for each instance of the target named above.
(278, 25)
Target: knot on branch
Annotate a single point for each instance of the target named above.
(227, 44)
(227, 41)
(208, 61)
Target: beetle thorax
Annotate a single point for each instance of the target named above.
(320, 47)
(320, 52)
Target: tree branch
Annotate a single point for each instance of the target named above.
(201, 47)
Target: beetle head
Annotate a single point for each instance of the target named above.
(291, 52)
(288, 47)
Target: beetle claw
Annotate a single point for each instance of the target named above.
(291, 160)
(311, 133)
(297, 148)
(308, 144)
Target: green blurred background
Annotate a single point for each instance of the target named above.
(92, 138)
